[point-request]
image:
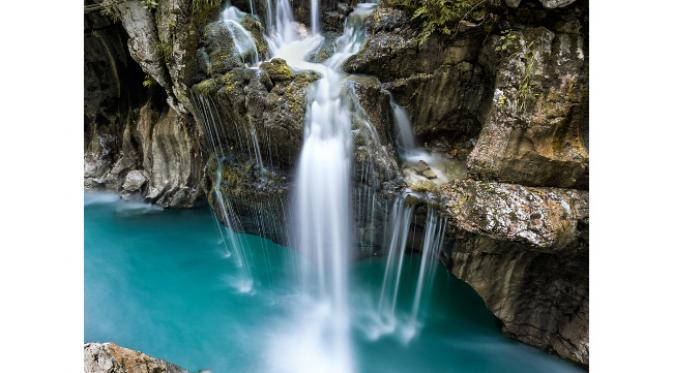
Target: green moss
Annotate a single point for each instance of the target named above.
(425, 186)
(206, 86)
(439, 16)
(165, 50)
(202, 10)
(277, 69)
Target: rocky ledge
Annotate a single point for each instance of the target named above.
(110, 358)
(525, 250)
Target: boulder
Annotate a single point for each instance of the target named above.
(134, 181)
(110, 358)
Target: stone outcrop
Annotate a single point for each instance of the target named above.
(525, 251)
(546, 219)
(110, 358)
(536, 127)
(135, 143)
(437, 80)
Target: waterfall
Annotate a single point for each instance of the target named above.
(400, 222)
(432, 244)
(243, 40)
(209, 116)
(315, 16)
(405, 135)
(244, 283)
(323, 194)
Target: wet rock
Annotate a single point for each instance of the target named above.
(387, 19)
(438, 81)
(542, 218)
(551, 4)
(110, 358)
(534, 131)
(429, 173)
(278, 70)
(134, 181)
(373, 125)
(525, 251)
(450, 103)
(250, 106)
(176, 162)
(542, 299)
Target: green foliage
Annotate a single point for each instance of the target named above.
(438, 16)
(198, 5)
(148, 81)
(150, 4)
(202, 9)
(526, 89)
(165, 50)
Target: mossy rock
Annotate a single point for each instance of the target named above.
(278, 70)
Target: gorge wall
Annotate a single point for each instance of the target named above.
(173, 113)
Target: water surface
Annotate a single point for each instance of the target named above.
(163, 282)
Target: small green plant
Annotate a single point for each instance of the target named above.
(148, 81)
(438, 16)
(150, 4)
(526, 88)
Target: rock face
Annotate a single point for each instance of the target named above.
(132, 129)
(525, 251)
(110, 358)
(546, 219)
(535, 131)
(438, 81)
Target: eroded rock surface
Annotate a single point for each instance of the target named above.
(535, 131)
(110, 358)
(525, 251)
(547, 219)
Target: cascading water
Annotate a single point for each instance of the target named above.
(432, 244)
(323, 193)
(315, 16)
(399, 222)
(405, 135)
(243, 41)
(322, 198)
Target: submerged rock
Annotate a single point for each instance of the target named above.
(110, 358)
